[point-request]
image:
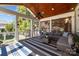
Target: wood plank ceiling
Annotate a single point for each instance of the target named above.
(42, 10)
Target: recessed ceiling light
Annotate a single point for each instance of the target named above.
(42, 12)
(53, 9)
(72, 8)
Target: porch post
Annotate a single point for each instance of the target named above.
(16, 29)
(77, 19)
(39, 26)
(31, 28)
(73, 24)
(50, 25)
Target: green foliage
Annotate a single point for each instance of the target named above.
(1, 37)
(2, 30)
(76, 41)
(22, 9)
(24, 24)
(7, 37)
(76, 38)
(1, 42)
(9, 27)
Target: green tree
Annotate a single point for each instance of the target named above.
(24, 24)
(22, 9)
(2, 30)
(9, 27)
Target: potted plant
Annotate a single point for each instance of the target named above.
(76, 41)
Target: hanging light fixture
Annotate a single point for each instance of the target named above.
(66, 20)
(53, 9)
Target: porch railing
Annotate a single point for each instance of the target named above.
(6, 35)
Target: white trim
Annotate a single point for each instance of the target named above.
(31, 12)
(39, 26)
(9, 4)
(72, 14)
(16, 29)
(77, 17)
(4, 10)
(50, 25)
(73, 24)
(58, 16)
(31, 28)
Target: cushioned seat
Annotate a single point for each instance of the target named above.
(64, 43)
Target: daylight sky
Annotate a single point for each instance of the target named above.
(6, 17)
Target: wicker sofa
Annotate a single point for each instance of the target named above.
(48, 37)
(62, 40)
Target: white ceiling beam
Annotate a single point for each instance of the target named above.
(58, 16)
(7, 11)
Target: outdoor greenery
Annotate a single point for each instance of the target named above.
(23, 24)
(22, 9)
(7, 37)
(2, 30)
(9, 27)
(76, 40)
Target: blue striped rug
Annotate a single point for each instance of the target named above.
(17, 49)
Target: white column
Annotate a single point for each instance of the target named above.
(4, 35)
(39, 25)
(16, 29)
(73, 24)
(50, 25)
(31, 28)
(39, 29)
(77, 19)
